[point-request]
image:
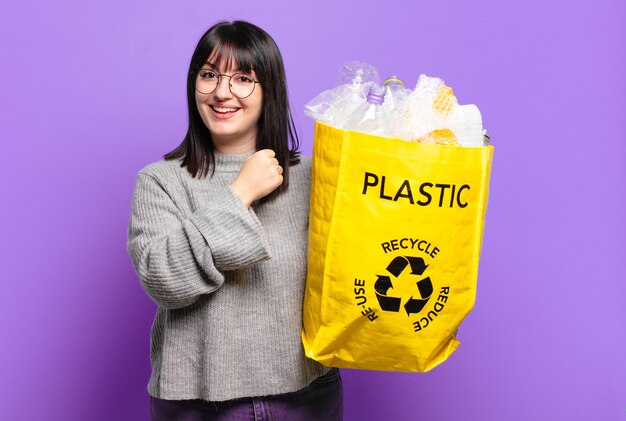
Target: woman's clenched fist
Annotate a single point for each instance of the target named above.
(259, 175)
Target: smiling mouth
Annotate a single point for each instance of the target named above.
(223, 110)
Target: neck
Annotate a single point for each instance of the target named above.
(229, 163)
(230, 146)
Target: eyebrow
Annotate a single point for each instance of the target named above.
(209, 64)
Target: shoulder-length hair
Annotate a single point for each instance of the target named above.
(246, 47)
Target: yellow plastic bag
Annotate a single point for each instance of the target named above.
(395, 231)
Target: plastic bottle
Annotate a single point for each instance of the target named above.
(486, 137)
(370, 117)
(395, 94)
(332, 106)
(357, 72)
(354, 81)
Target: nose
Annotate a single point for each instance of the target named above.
(222, 90)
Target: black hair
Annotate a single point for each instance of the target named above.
(247, 47)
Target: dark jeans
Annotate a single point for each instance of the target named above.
(322, 400)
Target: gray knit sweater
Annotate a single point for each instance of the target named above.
(228, 281)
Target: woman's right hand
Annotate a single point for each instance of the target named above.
(259, 175)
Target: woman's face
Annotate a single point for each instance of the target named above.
(232, 121)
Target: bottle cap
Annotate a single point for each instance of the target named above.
(376, 95)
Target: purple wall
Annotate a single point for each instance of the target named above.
(91, 93)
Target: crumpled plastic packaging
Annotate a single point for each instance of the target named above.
(333, 106)
(432, 114)
(428, 114)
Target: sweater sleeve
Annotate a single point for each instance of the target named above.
(178, 259)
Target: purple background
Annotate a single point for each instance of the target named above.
(93, 91)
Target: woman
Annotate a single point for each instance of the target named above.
(218, 236)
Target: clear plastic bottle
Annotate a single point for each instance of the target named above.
(486, 137)
(370, 117)
(357, 72)
(354, 81)
(395, 94)
(332, 106)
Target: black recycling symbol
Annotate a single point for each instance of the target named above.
(396, 267)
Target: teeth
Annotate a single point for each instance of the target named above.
(224, 110)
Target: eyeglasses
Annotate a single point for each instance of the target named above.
(241, 84)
